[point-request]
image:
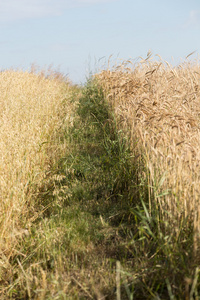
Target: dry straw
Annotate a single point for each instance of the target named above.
(31, 115)
(159, 106)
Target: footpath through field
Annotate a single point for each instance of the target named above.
(94, 237)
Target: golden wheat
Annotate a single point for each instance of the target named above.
(160, 106)
(31, 114)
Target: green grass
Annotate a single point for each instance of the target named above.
(94, 237)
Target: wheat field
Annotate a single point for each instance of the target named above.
(158, 106)
(31, 116)
(101, 174)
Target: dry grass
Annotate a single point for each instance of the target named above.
(158, 105)
(31, 116)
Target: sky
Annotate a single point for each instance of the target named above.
(77, 37)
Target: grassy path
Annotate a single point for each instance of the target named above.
(102, 177)
(94, 237)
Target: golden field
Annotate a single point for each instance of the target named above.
(158, 106)
(31, 116)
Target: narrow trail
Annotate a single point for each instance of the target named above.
(93, 236)
(100, 178)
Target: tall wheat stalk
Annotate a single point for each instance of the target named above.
(159, 107)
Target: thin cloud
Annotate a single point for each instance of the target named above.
(12, 10)
(193, 19)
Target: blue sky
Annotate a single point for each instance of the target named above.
(78, 36)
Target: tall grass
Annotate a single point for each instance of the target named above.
(157, 105)
(99, 185)
(31, 116)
